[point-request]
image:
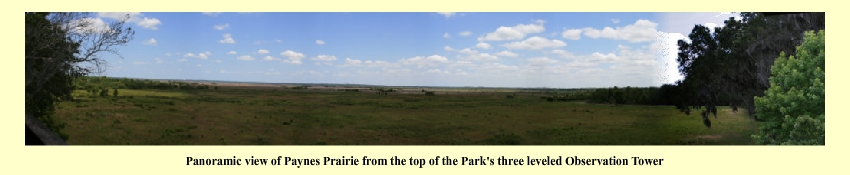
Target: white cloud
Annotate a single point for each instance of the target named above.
(640, 31)
(212, 13)
(615, 21)
(324, 58)
(541, 61)
(139, 62)
(421, 61)
(447, 14)
(216, 61)
(438, 71)
(483, 45)
(563, 53)
(134, 17)
(468, 51)
(227, 39)
(293, 57)
(710, 26)
(292, 54)
(460, 72)
(351, 62)
(507, 54)
(149, 23)
(573, 34)
(204, 55)
(262, 51)
(448, 48)
(232, 52)
(168, 54)
(446, 35)
(540, 21)
(182, 60)
(221, 26)
(245, 58)
(320, 42)
(278, 41)
(270, 58)
(479, 57)
(151, 42)
(88, 25)
(535, 43)
(465, 33)
(158, 61)
(513, 33)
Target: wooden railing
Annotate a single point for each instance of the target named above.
(39, 134)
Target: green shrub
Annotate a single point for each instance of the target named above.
(794, 105)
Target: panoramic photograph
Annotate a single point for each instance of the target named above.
(416, 78)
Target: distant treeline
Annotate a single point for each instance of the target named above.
(92, 83)
(665, 95)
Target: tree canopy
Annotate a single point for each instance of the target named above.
(730, 65)
(794, 104)
(60, 47)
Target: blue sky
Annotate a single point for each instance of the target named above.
(561, 50)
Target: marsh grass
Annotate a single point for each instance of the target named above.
(244, 116)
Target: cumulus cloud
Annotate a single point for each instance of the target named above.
(483, 45)
(320, 42)
(158, 61)
(446, 35)
(465, 33)
(151, 42)
(541, 61)
(573, 34)
(221, 26)
(232, 52)
(507, 54)
(292, 54)
(563, 53)
(262, 51)
(352, 62)
(270, 58)
(292, 57)
(203, 55)
(438, 71)
(448, 48)
(134, 17)
(88, 25)
(182, 60)
(447, 14)
(513, 33)
(640, 31)
(535, 43)
(421, 61)
(324, 58)
(468, 51)
(480, 57)
(245, 58)
(615, 21)
(227, 39)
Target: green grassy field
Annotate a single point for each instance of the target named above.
(279, 116)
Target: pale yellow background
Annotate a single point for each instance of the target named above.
(691, 160)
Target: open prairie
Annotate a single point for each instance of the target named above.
(318, 115)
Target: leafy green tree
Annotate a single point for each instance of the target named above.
(794, 104)
(60, 47)
(115, 92)
(730, 65)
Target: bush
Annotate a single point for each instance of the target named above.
(429, 93)
(794, 105)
